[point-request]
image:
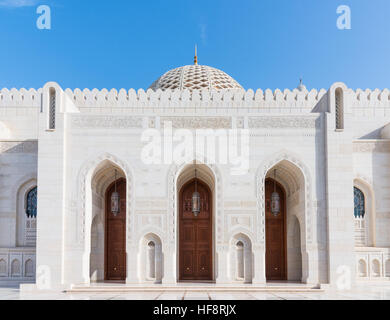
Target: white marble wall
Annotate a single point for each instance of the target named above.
(320, 162)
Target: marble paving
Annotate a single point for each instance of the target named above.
(372, 292)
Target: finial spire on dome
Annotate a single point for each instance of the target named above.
(196, 55)
(301, 86)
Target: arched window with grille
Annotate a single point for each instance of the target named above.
(339, 103)
(31, 203)
(52, 109)
(359, 213)
(30, 233)
(26, 217)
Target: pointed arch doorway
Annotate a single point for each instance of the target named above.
(115, 231)
(195, 234)
(275, 233)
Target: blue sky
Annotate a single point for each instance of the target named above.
(129, 44)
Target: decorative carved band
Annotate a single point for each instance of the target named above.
(199, 122)
(284, 122)
(375, 146)
(114, 122)
(19, 147)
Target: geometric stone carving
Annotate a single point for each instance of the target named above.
(19, 147)
(287, 122)
(106, 122)
(199, 122)
(370, 147)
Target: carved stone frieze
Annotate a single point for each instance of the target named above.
(19, 147)
(374, 146)
(199, 122)
(283, 122)
(107, 122)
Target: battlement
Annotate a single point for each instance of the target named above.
(196, 98)
(202, 98)
(369, 98)
(20, 98)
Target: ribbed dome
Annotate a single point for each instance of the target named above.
(193, 77)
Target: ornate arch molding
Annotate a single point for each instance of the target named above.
(364, 180)
(20, 183)
(85, 176)
(239, 234)
(260, 192)
(173, 175)
(150, 233)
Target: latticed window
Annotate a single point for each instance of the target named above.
(359, 208)
(31, 205)
(339, 109)
(359, 213)
(52, 109)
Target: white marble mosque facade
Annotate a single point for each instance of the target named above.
(68, 144)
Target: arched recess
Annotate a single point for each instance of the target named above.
(151, 258)
(3, 268)
(26, 225)
(294, 176)
(387, 268)
(241, 258)
(213, 177)
(375, 268)
(362, 268)
(338, 105)
(108, 231)
(369, 238)
(29, 268)
(16, 270)
(204, 224)
(94, 178)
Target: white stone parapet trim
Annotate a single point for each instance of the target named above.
(20, 98)
(171, 98)
(195, 98)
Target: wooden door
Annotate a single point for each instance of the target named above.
(115, 244)
(275, 229)
(195, 234)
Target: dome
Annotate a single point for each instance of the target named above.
(194, 77)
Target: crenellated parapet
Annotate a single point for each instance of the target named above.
(20, 98)
(197, 98)
(369, 98)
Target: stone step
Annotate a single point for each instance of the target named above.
(161, 288)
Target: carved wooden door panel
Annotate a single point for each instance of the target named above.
(275, 255)
(115, 262)
(195, 242)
